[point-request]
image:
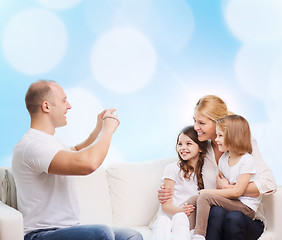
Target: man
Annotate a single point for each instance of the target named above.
(42, 165)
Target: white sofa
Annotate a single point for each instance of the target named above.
(125, 195)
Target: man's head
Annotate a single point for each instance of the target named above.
(47, 99)
(36, 94)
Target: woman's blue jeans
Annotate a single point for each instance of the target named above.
(235, 225)
(84, 232)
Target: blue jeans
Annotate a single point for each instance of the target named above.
(84, 232)
(235, 225)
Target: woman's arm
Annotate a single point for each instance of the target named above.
(265, 183)
(168, 207)
(234, 192)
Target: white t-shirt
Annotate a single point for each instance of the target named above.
(246, 164)
(45, 200)
(183, 188)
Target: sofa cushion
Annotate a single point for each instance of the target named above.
(133, 189)
(8, 189)
(94, 198)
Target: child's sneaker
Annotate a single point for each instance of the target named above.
(198, 237)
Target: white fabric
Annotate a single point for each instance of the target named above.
(45, 200)
(183, 188)
(94, 198)
(133, 191)
(246, 164)
(177, 228)
(210, 168)
(198, 237)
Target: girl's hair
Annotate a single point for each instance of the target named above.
(212, 107)
(237, 133)
(184, 165)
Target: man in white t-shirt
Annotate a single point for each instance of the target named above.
(42, 166)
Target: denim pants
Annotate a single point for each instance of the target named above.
(234, 225)
(84, 232)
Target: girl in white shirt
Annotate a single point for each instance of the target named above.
(184, 179)
(238, 166)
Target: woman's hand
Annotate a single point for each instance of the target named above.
(164, 194)
(188, 209)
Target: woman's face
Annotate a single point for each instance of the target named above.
(204, 126)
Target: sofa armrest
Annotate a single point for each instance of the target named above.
(273, 212)
(11, 223)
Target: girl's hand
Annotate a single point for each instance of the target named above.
(188, 209)
(221, 181)
(207, 191)
(164, 194)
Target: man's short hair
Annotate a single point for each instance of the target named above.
(36, 94)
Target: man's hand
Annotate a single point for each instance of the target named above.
(164, 194)
(221, 181)
(110, 121)
(100, 120)
(188, 209)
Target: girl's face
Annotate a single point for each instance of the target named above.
(204, 126)
(220, 140)
(187, 148)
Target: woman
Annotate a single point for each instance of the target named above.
(223, 224)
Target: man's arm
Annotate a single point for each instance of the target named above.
(91, 156)
(94, 134)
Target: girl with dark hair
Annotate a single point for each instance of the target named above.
(184, 179)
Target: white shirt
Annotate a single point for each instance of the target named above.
(45, 200)
(183, 188)
(246, 164)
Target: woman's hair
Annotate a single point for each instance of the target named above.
(237, 133)
(212, 107)
(184, 165)
(36, 94)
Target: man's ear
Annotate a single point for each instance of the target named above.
(45, 106)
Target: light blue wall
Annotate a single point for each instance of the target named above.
(149, 59)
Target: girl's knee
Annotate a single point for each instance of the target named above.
(193, 200)
(163, 221)
(181, 219)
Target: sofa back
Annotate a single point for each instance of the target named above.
(94, 198)
(133, 190)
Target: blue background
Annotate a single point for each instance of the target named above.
(151, 60)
